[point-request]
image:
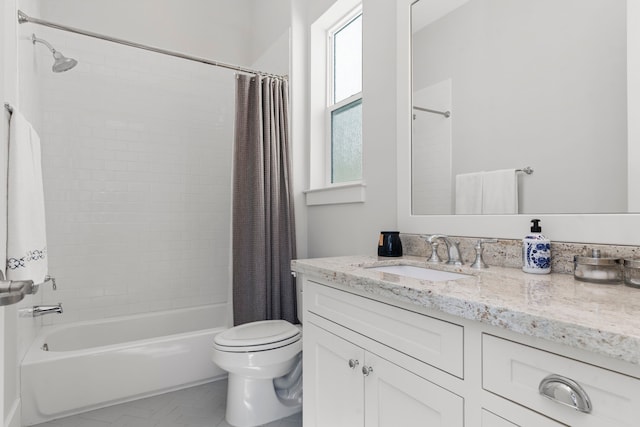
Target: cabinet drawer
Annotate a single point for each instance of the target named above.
(435, 342)
(514, 371)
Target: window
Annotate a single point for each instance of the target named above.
(335, 106)
(344, 94)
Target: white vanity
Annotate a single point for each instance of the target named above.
(381, 349)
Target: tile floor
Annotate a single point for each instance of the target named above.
(200, 406)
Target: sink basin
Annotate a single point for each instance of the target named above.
(420, 273)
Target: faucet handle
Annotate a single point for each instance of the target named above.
(479, 262)
(435, 259)
(52, 280)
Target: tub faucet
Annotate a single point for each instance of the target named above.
(452, 249)
(41, 310)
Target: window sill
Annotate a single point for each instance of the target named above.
(336, 194)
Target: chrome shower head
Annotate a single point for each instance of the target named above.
(61, 63)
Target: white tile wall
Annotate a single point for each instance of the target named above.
(137, 153)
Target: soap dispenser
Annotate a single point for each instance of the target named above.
(536, 251)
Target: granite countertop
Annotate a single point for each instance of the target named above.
(598, 318)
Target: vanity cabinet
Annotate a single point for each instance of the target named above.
(348, 382)
(350, 386)
(372, 361)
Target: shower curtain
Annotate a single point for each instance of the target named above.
(263, 218)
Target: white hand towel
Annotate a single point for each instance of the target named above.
(469, 193)
(26, 235)
(500, 192)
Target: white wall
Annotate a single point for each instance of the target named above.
(3, 130)
(299, 89)
(354, 228)
(633, 102)
(18, 332)
(5, 347)
(219, 29)
(431, 148)
(29, 102)
(137, 169)
(270, 23)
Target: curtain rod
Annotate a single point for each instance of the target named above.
(24, 18)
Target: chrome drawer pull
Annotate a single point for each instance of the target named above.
(353, 363)
(566, 392)
(366, 370)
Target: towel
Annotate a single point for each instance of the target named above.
(500, 192)
(469, 193)
(26, 235)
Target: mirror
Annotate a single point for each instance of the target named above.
(515, 84)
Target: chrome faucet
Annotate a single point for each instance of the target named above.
(453, 250)
(41, 310)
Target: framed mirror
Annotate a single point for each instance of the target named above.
(515, 102)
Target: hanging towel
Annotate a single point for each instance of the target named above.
(26, 237)
(469, 193)
(500, 192)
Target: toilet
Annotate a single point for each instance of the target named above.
(264, 362)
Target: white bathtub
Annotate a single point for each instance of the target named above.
(100, 363)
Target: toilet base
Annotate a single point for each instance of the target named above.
(252, 402)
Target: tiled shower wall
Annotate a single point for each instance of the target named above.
(137, 153)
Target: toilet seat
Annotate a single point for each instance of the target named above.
(257, 336)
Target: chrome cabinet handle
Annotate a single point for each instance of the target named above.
(566, 392)
(353, 363)
(366, 370)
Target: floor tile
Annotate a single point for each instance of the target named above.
(199, 406)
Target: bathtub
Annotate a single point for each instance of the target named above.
(94, 364)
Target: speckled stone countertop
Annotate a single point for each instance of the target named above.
(598, 318)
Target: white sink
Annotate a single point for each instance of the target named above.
(420, 273)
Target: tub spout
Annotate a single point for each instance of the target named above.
(41, 310)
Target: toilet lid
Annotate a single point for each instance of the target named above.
(257, 334)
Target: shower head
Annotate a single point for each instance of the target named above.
(61, 63)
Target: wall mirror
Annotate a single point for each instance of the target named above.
(515, 84)
(571, 223)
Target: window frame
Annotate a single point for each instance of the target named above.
(320, 192)
(331, 106)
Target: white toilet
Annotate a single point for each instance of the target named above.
(264, 362)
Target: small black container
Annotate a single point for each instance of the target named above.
(389, 244)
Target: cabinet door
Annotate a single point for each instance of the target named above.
(489, 419)
(333, 380)
(396, 397)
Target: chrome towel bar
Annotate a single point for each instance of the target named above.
(528, 170)
(428, 110)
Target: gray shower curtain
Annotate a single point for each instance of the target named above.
(263, 219)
